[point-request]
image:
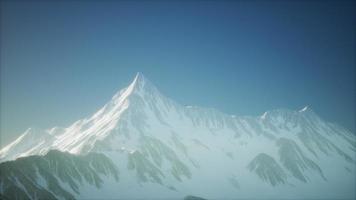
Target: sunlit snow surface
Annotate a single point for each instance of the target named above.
(166, 150)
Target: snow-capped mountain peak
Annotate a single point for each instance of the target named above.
(138, 83)
(264, 115)
(139, 80)
(139, 86)
(134, 87)
(304, 109)
(82, 135)
(159, 144)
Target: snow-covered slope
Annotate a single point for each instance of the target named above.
(53, 176)
(166, 150)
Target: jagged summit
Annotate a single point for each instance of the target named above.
(264, 115)
(139, 85)
(285, 112)
(136, 86)
(139, 77)
(139, 80)
(304, 109)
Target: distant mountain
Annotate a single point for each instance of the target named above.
(143, 145)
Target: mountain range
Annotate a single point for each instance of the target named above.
(144, 145)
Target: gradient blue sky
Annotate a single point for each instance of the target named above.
(63, 60)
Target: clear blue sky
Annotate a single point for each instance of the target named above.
(63, 60)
